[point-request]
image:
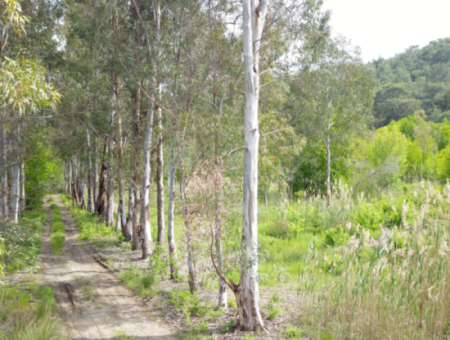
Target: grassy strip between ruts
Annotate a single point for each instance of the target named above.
(57, 230)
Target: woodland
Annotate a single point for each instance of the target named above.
(233, 163)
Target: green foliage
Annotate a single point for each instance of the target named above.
(336, 237)
(29, 314)
(41, 172)
(93, 229)
(24, 86)
(417, 79)
(22, 241)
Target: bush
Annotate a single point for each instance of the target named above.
(336, 237)
(22, 241)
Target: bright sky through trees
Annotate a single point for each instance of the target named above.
(387, 27)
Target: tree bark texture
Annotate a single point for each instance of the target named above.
(248, 299)
(145, 218)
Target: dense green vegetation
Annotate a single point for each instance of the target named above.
(27, 309)
(415, 80)
(28, 312)
(23, 241)
(352, 159)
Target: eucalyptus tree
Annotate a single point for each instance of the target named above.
(334, 98)
(23, 89)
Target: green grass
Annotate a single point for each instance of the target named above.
(57, 231)
(28, 313)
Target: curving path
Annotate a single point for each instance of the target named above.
(91, 300)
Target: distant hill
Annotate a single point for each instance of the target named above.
(415, 80)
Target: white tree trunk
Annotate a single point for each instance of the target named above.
(145, 218)
(23, 198)
(248, 298)
(15, 185)
(137, 229)
(160, 174)
(170, 218)
(4, 170)
(129, 221)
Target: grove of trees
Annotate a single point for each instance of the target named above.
(193, 106)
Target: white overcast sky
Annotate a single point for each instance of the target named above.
(387, 27)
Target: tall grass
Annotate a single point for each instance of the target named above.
(390, 284)
(29, 314)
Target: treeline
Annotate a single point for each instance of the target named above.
(417, 79)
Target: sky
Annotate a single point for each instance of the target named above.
(388, 27)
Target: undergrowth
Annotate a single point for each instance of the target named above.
(28, 313)
(57, 230)
(22, 241)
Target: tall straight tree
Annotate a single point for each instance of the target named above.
(254, 15)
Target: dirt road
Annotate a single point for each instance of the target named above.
(91, 300)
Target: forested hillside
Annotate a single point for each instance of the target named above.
(416, 80)
(243, 172)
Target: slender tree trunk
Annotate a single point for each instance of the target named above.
(145, 218)
(100, 207)
(82, 187)
(15, 177)
(4, 170)
(15, 185)
(90, 180)
(110, 189)
(23, 198)
(187, 223)
(223, 295)
(129, 223)
(170, 218)
(248, 299)
(69, 171)
(136, 166)
(328, 174)
(160, 175)
(95, 174)
(137, 229)
(75, 190)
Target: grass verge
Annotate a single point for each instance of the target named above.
(28, 313)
